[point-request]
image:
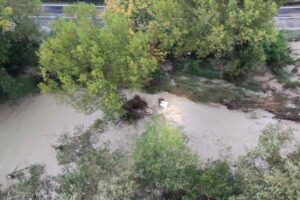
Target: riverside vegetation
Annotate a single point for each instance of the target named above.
(90, 62)
(161, 166)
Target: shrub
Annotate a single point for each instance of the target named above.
(160, 81)
(292, 84)
(31, 186)
(92, 167)
(217, 181)
(292, 35)
(162, 167)
(208, 68)
(162, 160)
(278, 53)
(267, 173)
(13, 88)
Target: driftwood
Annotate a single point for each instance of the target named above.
(15, 173)
(274, 106)
(135, 109)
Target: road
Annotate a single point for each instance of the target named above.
(288, 18)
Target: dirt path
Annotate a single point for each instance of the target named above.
(28, 131)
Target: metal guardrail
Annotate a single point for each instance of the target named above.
(288, 17)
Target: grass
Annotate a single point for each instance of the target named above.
(250, 85)
(282, 75)
(292, 84)
(204, 68)
(198, 91)
(292, 35)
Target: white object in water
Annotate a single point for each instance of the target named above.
(164, 104)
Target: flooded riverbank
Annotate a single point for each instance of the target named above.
(28, 130)
(30, 127)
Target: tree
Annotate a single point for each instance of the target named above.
(19, 40)
(94, 61)
(231, 31)
(24, 36)
(5, 13)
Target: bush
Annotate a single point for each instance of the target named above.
(217, 181)
(267, 173)
(209, 68)
(292, 35)
(31, 186)
(292, 84)
(93, 167)
(278, 53)
(162, 160)
(14, 88)
(160, 81)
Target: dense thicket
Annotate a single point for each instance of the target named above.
(230, 31)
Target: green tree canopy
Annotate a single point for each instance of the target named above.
(19, 40)
(93, 60)
(232, 31)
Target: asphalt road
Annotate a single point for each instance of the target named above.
(288, 18)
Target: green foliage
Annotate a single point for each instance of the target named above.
(230, 31)
(25, 35)
(93, 61)
(92, 167)
(292, 35)
(30, 186)
(205, 68)
(162, 160)
(207, 91)
(218, 181)
(282, 75)
(19, 40)
(267, 173)
(75, 1)
(5, 13)
(162, 167)
(13, 88)
(292, 84)
(160, 81)
(278, 53)
(99, 174)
